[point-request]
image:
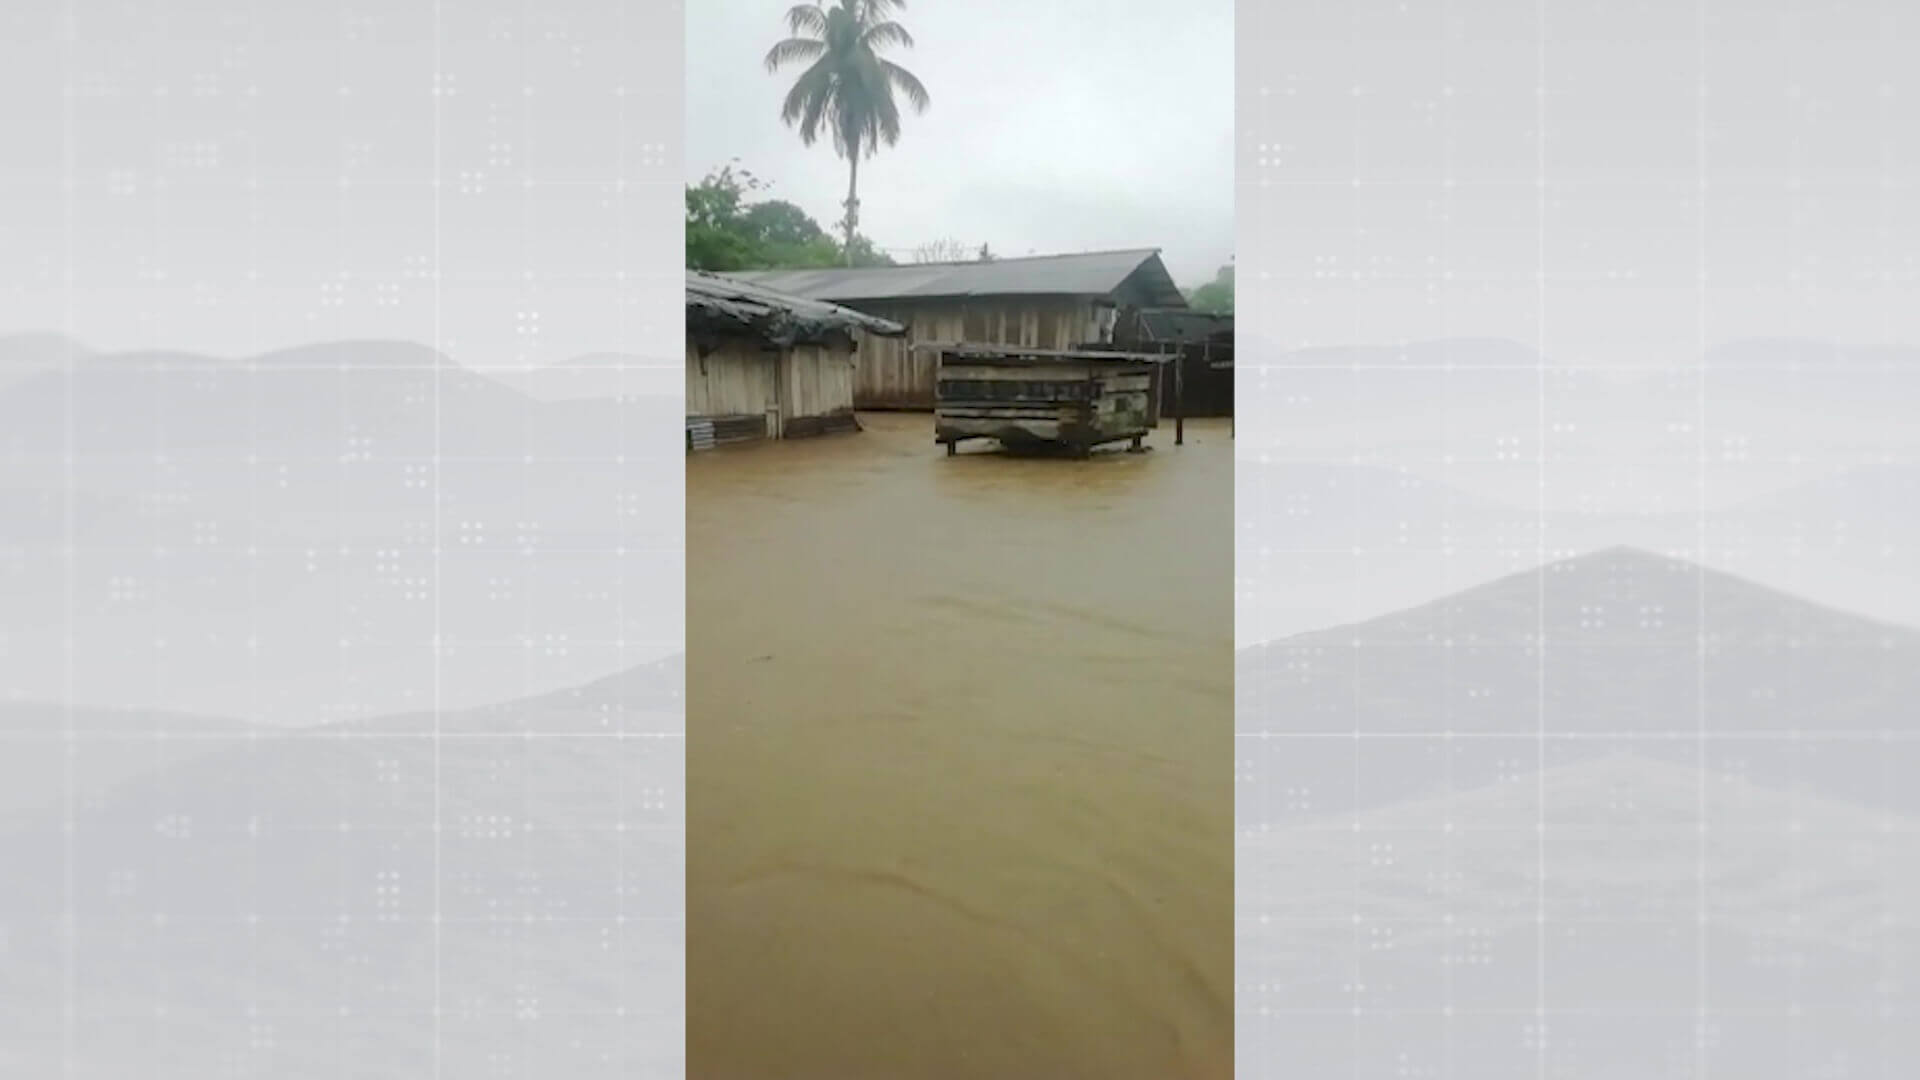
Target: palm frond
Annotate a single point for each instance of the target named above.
(794, 50)
(806, 19)
(907, 83)
(886, 120)
(885, 35)
(811, 95)
(824, 111)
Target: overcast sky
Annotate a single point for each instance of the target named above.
(1074, 125)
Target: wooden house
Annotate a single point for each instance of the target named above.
(1059, 302)
(761, 364)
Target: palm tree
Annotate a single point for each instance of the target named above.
(847, 88)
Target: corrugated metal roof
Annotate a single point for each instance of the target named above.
(1092, 274)
(780, 317)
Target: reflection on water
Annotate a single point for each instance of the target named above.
(959, 760)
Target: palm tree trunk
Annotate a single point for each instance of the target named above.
(853, 199)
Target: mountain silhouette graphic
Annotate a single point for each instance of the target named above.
(279, 877)
(1620, 799)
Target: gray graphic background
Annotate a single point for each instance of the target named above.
(340, 539)
(1576, 539)
(1643, 813)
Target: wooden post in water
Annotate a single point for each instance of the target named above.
(1179, 404)
(1159, 391)
(1232, 422)
(1206, 359)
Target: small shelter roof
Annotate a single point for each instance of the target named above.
(721, 303)
(1184, 325)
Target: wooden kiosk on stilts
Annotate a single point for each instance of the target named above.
(1041, 399)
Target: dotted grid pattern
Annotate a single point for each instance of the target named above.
(1576, 538)
(341, 724)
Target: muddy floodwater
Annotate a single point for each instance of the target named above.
(960, 759)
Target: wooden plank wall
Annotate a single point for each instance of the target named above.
(817, 381)
(807, 382)
(888, 374)
(891, 374)
(736, 379)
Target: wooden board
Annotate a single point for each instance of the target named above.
(1036, 396)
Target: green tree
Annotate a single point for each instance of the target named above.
(847, 88)
(715, 237)
(862, 253)
(1216, 296)
(778, 222)
(786, 237)
(725, 231)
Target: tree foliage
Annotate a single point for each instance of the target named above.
(863, 253)
(715, 237)
(1216, 296)
(727, 230)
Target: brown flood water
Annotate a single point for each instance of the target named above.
(959, 760)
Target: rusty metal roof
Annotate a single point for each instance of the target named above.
(1098, 273)
(716, 302)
